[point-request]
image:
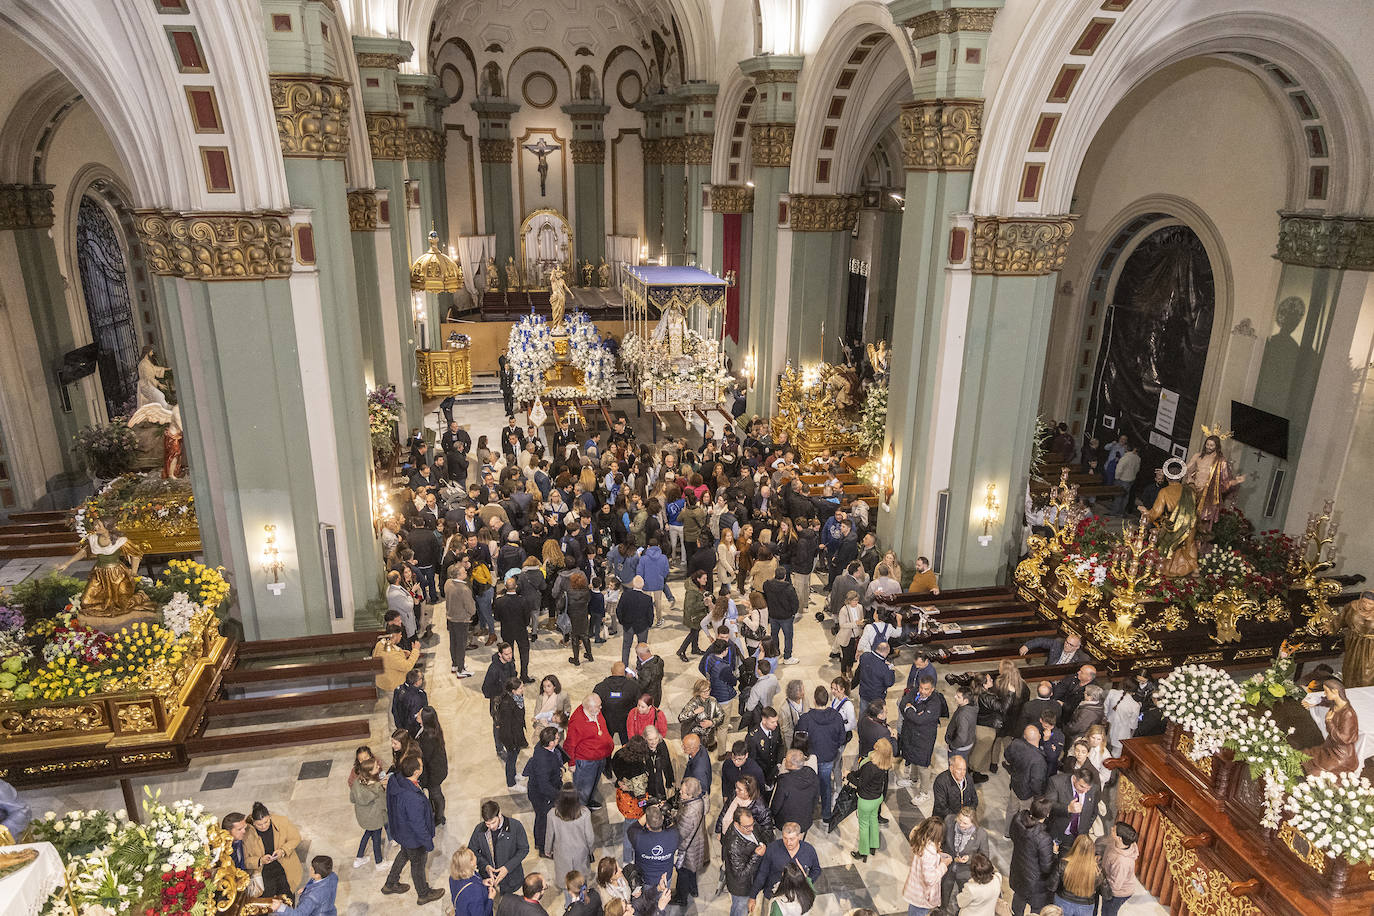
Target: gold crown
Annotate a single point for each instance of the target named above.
(1222, 434)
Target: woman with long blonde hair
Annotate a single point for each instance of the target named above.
(1078, 879)
(1012, 694)
(466, 894)
(869, 780)
(726, 556)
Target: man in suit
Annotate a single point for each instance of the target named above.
(799, 788)
(953, 790)
(455, 434)
(1036, 707)
(1067, 650)
(407, 700)
(1073, 805)
(544, 772)
(1069, 691)
(1051, 741)
(765, 747)
(636, 614)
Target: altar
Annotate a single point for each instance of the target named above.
(677, 363)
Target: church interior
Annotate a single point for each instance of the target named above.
(1029, 341)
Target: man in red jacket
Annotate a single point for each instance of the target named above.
(588, 745)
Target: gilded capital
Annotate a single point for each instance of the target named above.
(1020, 246)
(362, 210)
(696, 149)
(664, 151)
(732, 198)
(588, 152)
(775, 76)
(941, 135)
(770, 145)
(25, 206)
(255, 245)
(312, 116)
(369, 60)
(386, 134)
(426, 144)
(495, 149)
(823, 212)
(958, 19)
(1336, 242)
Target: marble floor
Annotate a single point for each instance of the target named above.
(308, 784)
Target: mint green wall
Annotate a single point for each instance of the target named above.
(390, 174)
(820, 275)
(674, 213)
(757, 327)
(370, 307)
(589, 201)
(653, 208)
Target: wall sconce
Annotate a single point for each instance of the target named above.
(750, 371)
(383, 510)
(887, 475)
(748, 184)
(991, 508)
(643, 252)
(271, 559)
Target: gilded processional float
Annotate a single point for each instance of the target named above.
(676, 364)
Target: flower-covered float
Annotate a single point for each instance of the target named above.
(156, 514)
(82, 698)
(566, 361)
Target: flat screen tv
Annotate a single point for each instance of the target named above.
(1259, 429)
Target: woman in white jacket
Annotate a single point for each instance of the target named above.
(981, 891)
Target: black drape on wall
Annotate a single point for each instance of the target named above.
(1155, 337)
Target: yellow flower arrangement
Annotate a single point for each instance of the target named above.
(203, 584)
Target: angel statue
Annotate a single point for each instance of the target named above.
(878, 355)
(493, 284)
(149, 388)
(558, 295)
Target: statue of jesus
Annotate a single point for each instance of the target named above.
(541, 150)
(1209, 474)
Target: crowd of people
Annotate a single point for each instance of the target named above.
(606, 540)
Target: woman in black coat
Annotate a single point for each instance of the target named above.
(510, 724)
(1032, 859)
(435, 757)
(575, 598)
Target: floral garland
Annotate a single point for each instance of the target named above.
(383, 410)
(1336, 814)
(139, 501)
(1205, 701)
(701, 369)
(1089, 569)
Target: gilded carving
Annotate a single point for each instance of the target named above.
(425, 144)
(1018, 246)
(941, 135)
(1298, 844)
(1204, 889)
(150, 757)
(362, 209)
(588, 152)
(770, 145)
(495, 149)
(216, 246)
(375, 61)
(312, 116)
(386, 135)
(696, 149)
(136, 717)
(1128, 796)
(958, 19)
(823, 212)
(42, 720)
(25, 206)
(66, 766)
(1337, 242)
(732, 198)
(775, 76)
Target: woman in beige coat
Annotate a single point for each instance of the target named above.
(269, 848)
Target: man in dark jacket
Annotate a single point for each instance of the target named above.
(407, 700)
(544, 772)
(1027, 771)
(501, 670)
(787, 849)
(742, 853)
(1032, 859)
(619, 693)
(410, 822)
(844, 551)
(783, 605)
(824, 728)
(1073, 799)
(512, 613)
(962, 731)
(1051, 742)
(876, 674)
(1069, 690)
(719, 670)
(799, 787)
(873, 727)
(764, 743)
(654, 846)
(1090, 712)
(804, 552)
(636, 614)
(697, 763)
(500, 845)
(649, 672)
(953, 790)
(921, 664)
(922, 710)
(738, 764)
(1036, 706)
(1067, 650)
(703, 559)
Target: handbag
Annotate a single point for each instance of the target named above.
(564, 622)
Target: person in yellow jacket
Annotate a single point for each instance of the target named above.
(396, 662)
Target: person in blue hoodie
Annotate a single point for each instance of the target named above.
(653, 569)
(317, 897)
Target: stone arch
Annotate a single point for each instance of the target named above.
(1085, 62)
(730, 163)
(515, 74)
(358, 162)
(30, 126)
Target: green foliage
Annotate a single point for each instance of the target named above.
(45, 597)
(1232, 529)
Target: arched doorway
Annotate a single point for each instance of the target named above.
(109, 307)
(1155, 335)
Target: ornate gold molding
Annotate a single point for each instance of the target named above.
(941, 135)
(425, 143)
(588, 152)
(1020, 246)
(312, 116)
(776, 76)
(823, 212)
(386, 134)
(1204, 888)
(664, 151)
(958, 19)
(732, 198)
(1337, 242)
(362, 210)
(25, 206)
(216, 246)
(770, 145)
(376, 61)
(696, 149)
(495, 149)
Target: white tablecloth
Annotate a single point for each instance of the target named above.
(1362, 701)
(24, 892)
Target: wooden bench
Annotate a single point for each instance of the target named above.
(278, 673)
(247, 742)
(362, 640)
(223, 709)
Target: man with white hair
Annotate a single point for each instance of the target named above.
(588, 746)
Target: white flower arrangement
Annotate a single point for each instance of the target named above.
(1090, 569)
(1336, 814)
(1204, 700)
(529, 353)
(178, 612)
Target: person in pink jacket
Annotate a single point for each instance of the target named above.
(928, 864)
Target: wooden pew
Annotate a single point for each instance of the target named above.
(223, 709)
(356, 667)
(362, 640)
(248, 742)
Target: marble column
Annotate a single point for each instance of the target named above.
(771, 133)
(673, 162)
(697, 142)
(425, 145)
(380, 365)
(496, 149)
(815, 289)
(655, 152)
(241, 301)
(882, 277)
(39, 436)
(379, 61)
(588, 153)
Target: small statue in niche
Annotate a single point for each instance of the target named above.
(584, 83)
(491, 80)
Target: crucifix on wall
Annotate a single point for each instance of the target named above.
(542, 150)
